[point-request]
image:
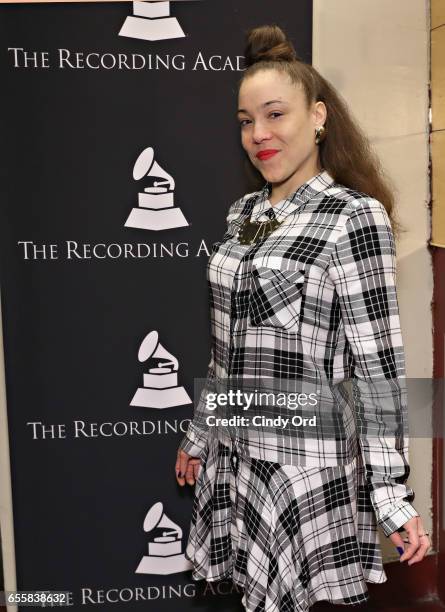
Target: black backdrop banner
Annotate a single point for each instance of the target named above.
(120, 157)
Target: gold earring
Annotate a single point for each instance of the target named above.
(320, 133)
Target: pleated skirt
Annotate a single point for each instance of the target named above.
(287, 535)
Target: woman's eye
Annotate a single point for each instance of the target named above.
(243, 121)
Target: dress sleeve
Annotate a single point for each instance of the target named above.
(195, 439)
(363, 270)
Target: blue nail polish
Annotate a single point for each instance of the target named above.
(400, 550)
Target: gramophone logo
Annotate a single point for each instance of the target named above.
(160, 388)
(164, 546)
(156, 210)
(151, 21)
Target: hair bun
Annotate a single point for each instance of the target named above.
(268, 43)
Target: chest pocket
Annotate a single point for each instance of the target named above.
(275, 298)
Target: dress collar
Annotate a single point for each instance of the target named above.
(305, 192)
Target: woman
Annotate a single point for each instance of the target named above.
(303, 291)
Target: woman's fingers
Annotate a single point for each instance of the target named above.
(411, 545)
(417, 545)
(421, 551)
(397, 540)
(190, 475)
(411, 528)
(181, 466)
(424, 543)
(186, 468)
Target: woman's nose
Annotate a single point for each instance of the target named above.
(260, 133)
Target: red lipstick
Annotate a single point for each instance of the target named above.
(266, 153)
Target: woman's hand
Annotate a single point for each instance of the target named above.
(186, 468)
(416, 545)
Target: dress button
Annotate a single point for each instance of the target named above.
(270, 213)
(234, 461)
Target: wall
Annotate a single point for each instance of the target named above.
(438, 120)
(377, 57)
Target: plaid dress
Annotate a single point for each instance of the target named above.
(294, 520)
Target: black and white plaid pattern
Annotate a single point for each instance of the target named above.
(288, 536)
(316, 300)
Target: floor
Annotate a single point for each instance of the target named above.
(426, 606)
(430, 606)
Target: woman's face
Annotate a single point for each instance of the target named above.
(274, 117)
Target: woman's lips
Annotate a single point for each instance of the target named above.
(266, 154)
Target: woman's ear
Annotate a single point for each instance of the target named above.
(320, 113)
